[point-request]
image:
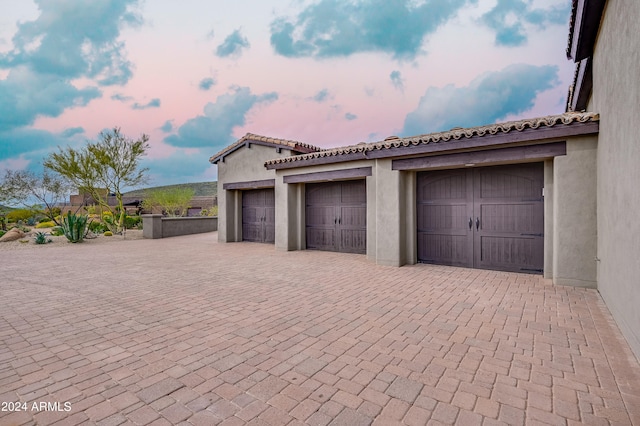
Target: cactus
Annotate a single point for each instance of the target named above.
(74, 227)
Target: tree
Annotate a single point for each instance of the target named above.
(105, 167)
(173, 201)
(46, 189)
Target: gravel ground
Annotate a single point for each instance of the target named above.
(28, 242)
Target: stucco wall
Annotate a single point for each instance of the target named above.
(616, 95)
(394, 215)
(242, 165)
(157, 226)
(548, 219)
(574, 237)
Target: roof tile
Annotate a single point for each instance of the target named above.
(453, 134)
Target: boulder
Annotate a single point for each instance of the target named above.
(12, 235)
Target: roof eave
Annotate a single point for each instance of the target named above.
(584, 26)
(582, 86)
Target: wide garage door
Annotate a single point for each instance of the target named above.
(258, 215)
(336, 216)
(489, 218)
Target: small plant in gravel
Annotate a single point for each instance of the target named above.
(108, 234)
(41, 238)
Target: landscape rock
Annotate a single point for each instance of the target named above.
(12, 235)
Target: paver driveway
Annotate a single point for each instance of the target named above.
(189, 330)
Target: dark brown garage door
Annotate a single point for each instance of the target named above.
(336, 216)
(258, 215)
(489, 218)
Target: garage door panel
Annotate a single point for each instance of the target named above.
(321, 238)
(321, 216)
(353, 192)
(515, 218)
(258, 215)
(353, 240)
(513, 182)
(510, 253)
(250, 214)
(353, 217)
(321, 195)
(506, 206)
(336, 216)
(252, 232)
(270, 222)
(442, 216)
(444, 249)
(446, 185)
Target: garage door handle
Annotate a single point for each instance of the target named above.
(339, 221)
(477, 223)
(335, 221)
(470, 223)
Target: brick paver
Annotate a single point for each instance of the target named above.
(186, 330)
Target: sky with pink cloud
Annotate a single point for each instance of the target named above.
(196, 75)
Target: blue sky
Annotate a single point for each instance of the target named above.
(196, 75)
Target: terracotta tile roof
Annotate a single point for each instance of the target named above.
(453, 134)
(295, 146)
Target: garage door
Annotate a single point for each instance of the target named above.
(258, 215)
(489, 218)
(336, 216)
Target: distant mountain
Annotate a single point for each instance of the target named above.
(202, 189)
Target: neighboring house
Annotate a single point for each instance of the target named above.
(133, 204)
(556, 195)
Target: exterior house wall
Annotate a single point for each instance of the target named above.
(616, 91)
(574, 237)
(548, 219)
(242, 165)
(394, 213)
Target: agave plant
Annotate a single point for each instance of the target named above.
(41, 238)
(75, 227)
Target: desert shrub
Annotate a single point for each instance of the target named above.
(44, 219)
(57, 231)
(2, 232)
(19, 215)
(132, 221)
(213, 211)
(31, 221)
(53, 212)
(46, 224)
(97, 227)
(41, 238)
(108, 234)
(74, 227)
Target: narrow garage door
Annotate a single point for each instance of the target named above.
(489, 218)
(336, 216)
(258, 215)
